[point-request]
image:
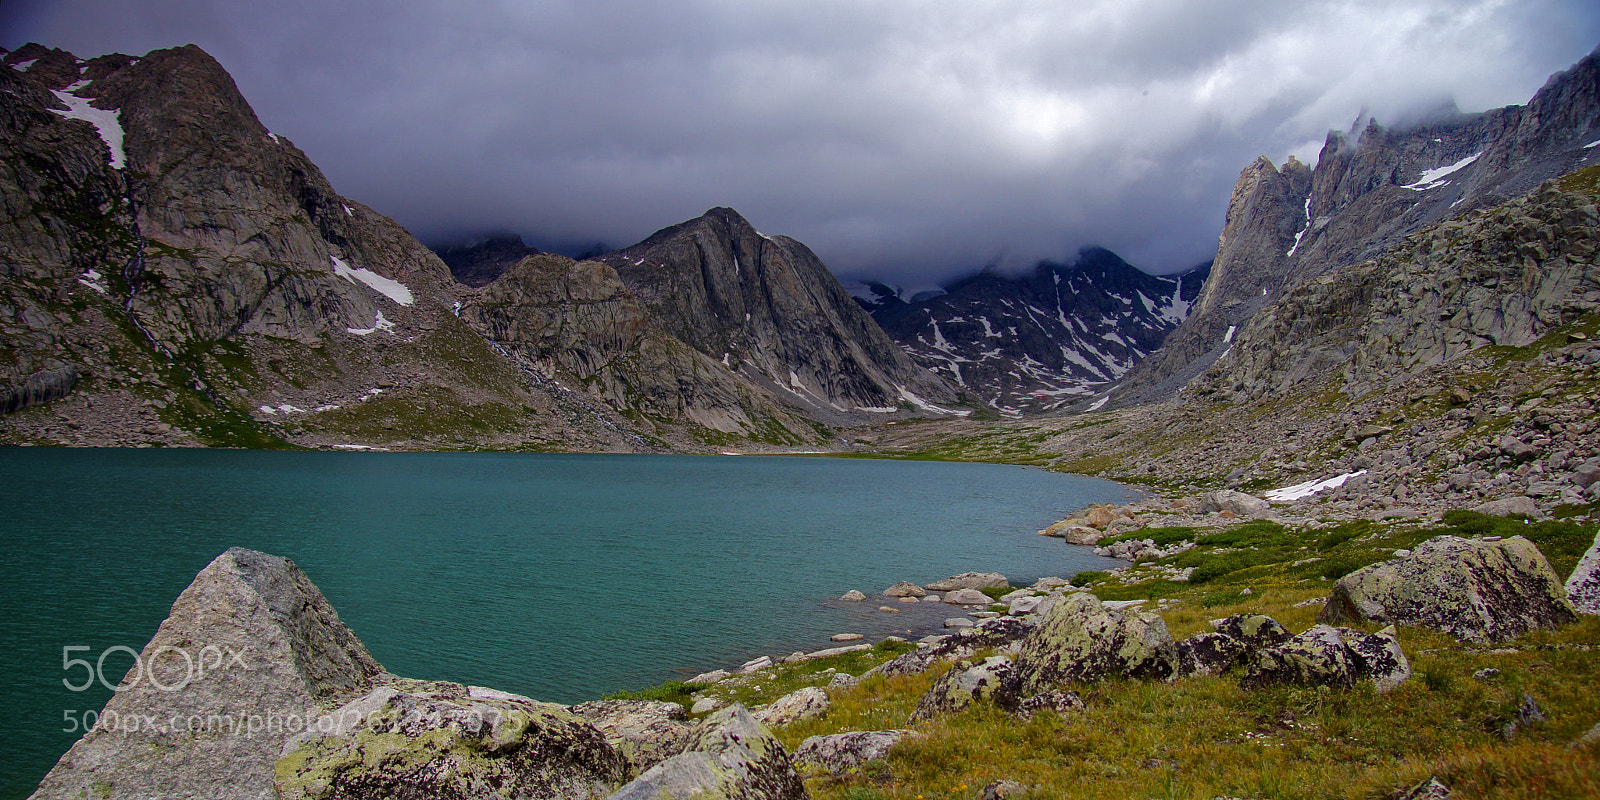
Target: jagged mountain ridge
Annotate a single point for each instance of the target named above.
(1371, 187)
(769, 310)
(1042, 340)
(174, 273)
(477, 264)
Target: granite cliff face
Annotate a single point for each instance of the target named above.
(767, 308)
(1046, 339)
(1371, 188)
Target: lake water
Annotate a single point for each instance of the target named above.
(562, 577)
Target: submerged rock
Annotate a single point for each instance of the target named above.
(251, 653)
(1472, 589)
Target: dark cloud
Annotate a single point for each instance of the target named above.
(904, 138)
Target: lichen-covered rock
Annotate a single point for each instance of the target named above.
(1469, 588)
(1329, 656)
(1255, 630)
(969, 580)
(966, 683)
(1210, 654)
(1080, 641)
(251, 652)
(795, 706)
(1383, 662)
(842, 753)
(1583, 586)
(1061, 701)
(1317, 657)
(730, 757)
(429, 739)
(646, 732)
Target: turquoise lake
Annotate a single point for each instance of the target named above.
(561, 577)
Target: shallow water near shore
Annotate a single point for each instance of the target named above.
(562, 577)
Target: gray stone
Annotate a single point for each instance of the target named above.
(1471, 589)
(843, 680)
(905, 589)
(1255, 630)
(1024, 605)
(432, 739)
(1061, 701)
(1004, 790)
(705, 705)
(762, 662)
(708, 678)
(1080, 641)
(1528, 715)
(853, 596)
(1317, 657)
(1517, 505)
(959, 622)
(843, 753)
(250, 641)
(1583, 585)
(1430, 789)
(730, 757)
(1383, 662)
(846, 637)
(795, 706)
(969, 580)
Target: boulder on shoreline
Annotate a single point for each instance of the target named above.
(730, 755)
(969, 580)
(251, 646)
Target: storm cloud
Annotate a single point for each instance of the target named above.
(904, 139)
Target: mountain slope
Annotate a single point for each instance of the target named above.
(1285, 226)
(768, 309)
(1043, 340)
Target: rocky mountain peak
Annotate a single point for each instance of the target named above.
(478, 263)
(767, 308)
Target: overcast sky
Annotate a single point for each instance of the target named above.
(908, 139)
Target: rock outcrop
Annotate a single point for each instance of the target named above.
(250, 655)
(1472, 589)
(1328, 656)
(795, 706)
(966, 683)
(645, 732)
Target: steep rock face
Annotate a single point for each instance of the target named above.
(1502, 276)
(769, 309)
(250, 640)
(577, 322)
(1371, 188)
(1043, 340)
(208, 285)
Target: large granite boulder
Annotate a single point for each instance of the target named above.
(843, 753)
(434, 739)
(250, 654)
(1081, 641)
(646, 732)
(1472, 589)
(1583, 586)
(966, 683)
(1233, 502)
(730, 757)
